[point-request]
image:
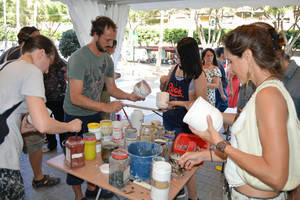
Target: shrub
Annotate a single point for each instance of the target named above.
(68, 43)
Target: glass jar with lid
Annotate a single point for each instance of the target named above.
(147, 132)
(119, 170)
(106, 130)
(130, 136)
(106, 148)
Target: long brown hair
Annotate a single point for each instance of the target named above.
(263, 40)
(39, 42)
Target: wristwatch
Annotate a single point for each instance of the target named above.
(222, 145)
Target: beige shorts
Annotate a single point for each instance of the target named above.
(33, 141)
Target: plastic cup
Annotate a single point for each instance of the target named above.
(162, 99)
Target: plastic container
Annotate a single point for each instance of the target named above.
(106, 148)
(196, 116)
(160, 182)
(125, 124)
(142, 89)
(106, 130)
(130, 136)
(75, 152)
(89, 146)
(137, 118)
(146, 133)
(119, 170)
(117, 132)
(140, 155)
(94, 127)
(188, 142)
(162, 100)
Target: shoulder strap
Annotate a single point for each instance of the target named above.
(10, 52)
(6, 64)
(7, 113)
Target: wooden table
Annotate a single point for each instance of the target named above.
(91, 173)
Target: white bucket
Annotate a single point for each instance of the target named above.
(162, 99)
(137, 118)
(161, 178)
(196, 116)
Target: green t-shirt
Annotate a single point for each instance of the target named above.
(91, 69)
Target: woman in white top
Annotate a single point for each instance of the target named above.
(212, 74)
(22, 81)
(262, 159)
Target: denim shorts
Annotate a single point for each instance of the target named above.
(11, 185)
(236, 195)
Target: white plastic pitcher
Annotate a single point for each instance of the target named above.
(196, 116)
(137, 118)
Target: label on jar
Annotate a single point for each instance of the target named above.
(98, 147)
(159, 184)
(77, 155)
(106, 132)
(68, 156)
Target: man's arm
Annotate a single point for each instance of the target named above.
(78, 99)
(118, 93)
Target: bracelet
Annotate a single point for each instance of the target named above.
(211, 160)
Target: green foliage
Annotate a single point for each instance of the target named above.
(289, 34)
(146, 36)
(48, 12)
(53, 36)
(144, 17)
(11, 35)
(195, 35)
(68, 43)
(174, 35)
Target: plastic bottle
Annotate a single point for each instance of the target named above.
(75, 152)
(89, 146)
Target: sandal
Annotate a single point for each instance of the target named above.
(46, 181)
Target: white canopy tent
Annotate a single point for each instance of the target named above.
(83, 11)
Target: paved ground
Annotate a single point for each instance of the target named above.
(209, 180)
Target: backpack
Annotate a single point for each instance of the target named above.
(4, 130)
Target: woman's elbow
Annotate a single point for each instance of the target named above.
(278, 182)
(42, 127)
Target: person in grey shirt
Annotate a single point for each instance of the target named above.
(291, 80)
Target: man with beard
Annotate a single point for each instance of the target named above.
(88, 69)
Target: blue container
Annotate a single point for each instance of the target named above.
(140, 155)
